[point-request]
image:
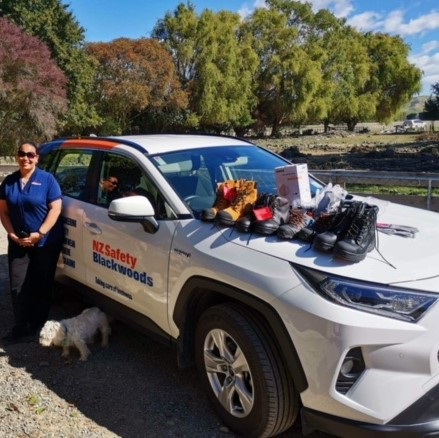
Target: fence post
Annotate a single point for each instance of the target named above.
(429, 190)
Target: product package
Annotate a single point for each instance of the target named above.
(293, 183)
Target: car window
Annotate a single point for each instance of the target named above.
(197, 172)
(71, 172)
(120, 176)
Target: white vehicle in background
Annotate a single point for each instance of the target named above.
(414, 125)
(276, 329)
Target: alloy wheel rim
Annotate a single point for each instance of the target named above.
(228, 373)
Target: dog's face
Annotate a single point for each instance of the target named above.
(52, 333)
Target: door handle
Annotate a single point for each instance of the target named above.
(92, 227)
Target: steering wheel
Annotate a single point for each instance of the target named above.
(190, 198)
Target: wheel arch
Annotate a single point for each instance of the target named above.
(200, 293)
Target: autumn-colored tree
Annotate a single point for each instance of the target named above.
(136, 78)
(53, 24)
(32, 89)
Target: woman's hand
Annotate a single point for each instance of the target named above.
(32, 240)
(14, 238)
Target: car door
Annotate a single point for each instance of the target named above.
(72, 169)
(122, 261)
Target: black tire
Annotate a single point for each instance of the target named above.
(243, 375)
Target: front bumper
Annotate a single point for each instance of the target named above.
(417, 421)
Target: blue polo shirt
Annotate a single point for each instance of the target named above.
(29, 207)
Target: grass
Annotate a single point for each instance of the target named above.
(35, 402)
(391, 190)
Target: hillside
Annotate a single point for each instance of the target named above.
(416, 105)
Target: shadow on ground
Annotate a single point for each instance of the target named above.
(133, 387)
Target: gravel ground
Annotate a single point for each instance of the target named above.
(132, 388)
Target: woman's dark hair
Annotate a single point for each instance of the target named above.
(29, 143)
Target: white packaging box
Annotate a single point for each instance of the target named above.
(293, 183)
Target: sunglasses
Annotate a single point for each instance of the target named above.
(115, 183)
(30, 155)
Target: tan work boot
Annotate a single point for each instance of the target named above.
(225, 193)
(246, 196)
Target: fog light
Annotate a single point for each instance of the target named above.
(347, 367)
(350, 370)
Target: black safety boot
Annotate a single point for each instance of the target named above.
(261, 210)
(319, 225)
(360, 238)
(280, 208)
(340, 223)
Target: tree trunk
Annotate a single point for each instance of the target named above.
(275, 127)
(351, 125)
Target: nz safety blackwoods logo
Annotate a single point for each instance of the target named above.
(119, 261)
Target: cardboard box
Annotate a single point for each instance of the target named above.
(293, 183)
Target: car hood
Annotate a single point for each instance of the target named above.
(401, 261)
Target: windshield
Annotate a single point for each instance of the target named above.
(195, 173)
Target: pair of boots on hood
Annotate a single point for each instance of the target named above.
(237, 204)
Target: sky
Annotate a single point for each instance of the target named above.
(416, 21)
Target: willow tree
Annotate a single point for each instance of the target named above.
(347, 72)
(223, 95)
(177, 31)
(289, 73)
(216, 63)
(393, 79)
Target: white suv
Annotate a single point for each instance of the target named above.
(275, 328)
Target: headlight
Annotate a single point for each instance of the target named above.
(374, 298)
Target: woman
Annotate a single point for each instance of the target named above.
(30, 208)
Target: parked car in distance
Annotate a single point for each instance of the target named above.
(276, 328)
(414, 125)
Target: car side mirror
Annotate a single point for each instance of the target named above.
(134, 209)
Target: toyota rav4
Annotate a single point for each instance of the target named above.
(277, 329)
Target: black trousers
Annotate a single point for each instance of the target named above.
(31, 277)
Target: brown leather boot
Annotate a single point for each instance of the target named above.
(225, 193)
(246, 196)
(297, 220)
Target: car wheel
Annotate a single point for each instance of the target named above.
(243, 375)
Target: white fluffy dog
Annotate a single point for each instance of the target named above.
(76, 332)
